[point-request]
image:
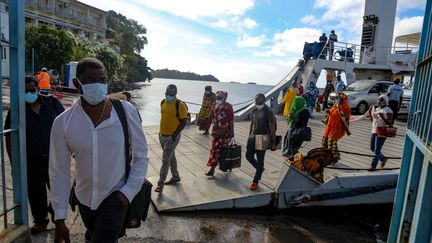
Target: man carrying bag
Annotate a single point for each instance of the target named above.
(92, 130)
(263, 125)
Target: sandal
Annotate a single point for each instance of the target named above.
(158, 189)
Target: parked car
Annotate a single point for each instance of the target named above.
(406, 100)
(363, 93)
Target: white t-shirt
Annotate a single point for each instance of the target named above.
(377, 120)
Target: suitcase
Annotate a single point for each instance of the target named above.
(230, 157)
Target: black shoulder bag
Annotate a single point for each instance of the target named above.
(139, 206)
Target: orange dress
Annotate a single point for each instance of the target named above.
(338, 121)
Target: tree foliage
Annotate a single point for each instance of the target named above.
(111, 59)
(53, 48)
(174, 74)
(130, 38)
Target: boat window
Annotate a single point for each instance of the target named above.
(358, 86)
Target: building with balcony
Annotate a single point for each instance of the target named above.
(79, 18)
(76, 17)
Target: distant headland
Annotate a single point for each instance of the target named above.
(174, 74)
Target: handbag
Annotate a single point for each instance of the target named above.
(325, 119)
(138, 207)
(302, 134)
(390, 132)
(230, 157)
(317, 107)
(262, 141)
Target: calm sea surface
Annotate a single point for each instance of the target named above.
(148, 97)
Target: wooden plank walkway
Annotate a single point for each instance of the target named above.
(193, 150)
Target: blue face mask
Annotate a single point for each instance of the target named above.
(94, 93)
(31, 97)
(169, 97)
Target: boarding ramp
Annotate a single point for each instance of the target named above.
(301, 71)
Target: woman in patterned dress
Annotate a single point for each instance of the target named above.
(203, 115)
(222, 117)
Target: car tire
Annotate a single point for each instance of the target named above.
(362, 108)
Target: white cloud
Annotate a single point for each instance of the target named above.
(249, 23)
(310, 19)
(249, 41)
(220, 24)
(290, 41)
(404, 5)
(193, 9)
(205, 41)
(408, 25)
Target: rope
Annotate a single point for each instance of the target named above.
(241, 103)
(365, 155)
(337, 168)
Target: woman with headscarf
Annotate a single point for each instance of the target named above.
(298, 117)
(222, 117)
(312, 93)
(203, 115)
(381, 117)
(337, 124)
(288, 99)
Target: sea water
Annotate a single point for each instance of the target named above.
(149, 96)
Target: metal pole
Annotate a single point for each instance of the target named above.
(17, 65)
(33, 61)
(1, 142)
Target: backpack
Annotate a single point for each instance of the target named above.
(177, 105)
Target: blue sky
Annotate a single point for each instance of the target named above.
(247, 40)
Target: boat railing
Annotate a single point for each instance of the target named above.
(360, 54)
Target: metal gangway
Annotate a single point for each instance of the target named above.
(346, 57)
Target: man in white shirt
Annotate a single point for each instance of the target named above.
(92, 131)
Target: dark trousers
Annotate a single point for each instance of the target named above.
(394, 106)
(325, 101)
(105, 224)
(257, 163)
(37, 184)
(376, 145)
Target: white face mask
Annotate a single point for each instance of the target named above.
(94, 93)
(259, 107)
(219, 102)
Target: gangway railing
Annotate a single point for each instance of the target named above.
(355, 53)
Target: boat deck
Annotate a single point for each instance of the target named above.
(228, 190)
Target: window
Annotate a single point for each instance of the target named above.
(375, 89)
(385, 87)
(4, 53)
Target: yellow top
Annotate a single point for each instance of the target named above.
(288, 100)
(169, 120)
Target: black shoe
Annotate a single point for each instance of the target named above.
(210, 172)
(39, 228)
